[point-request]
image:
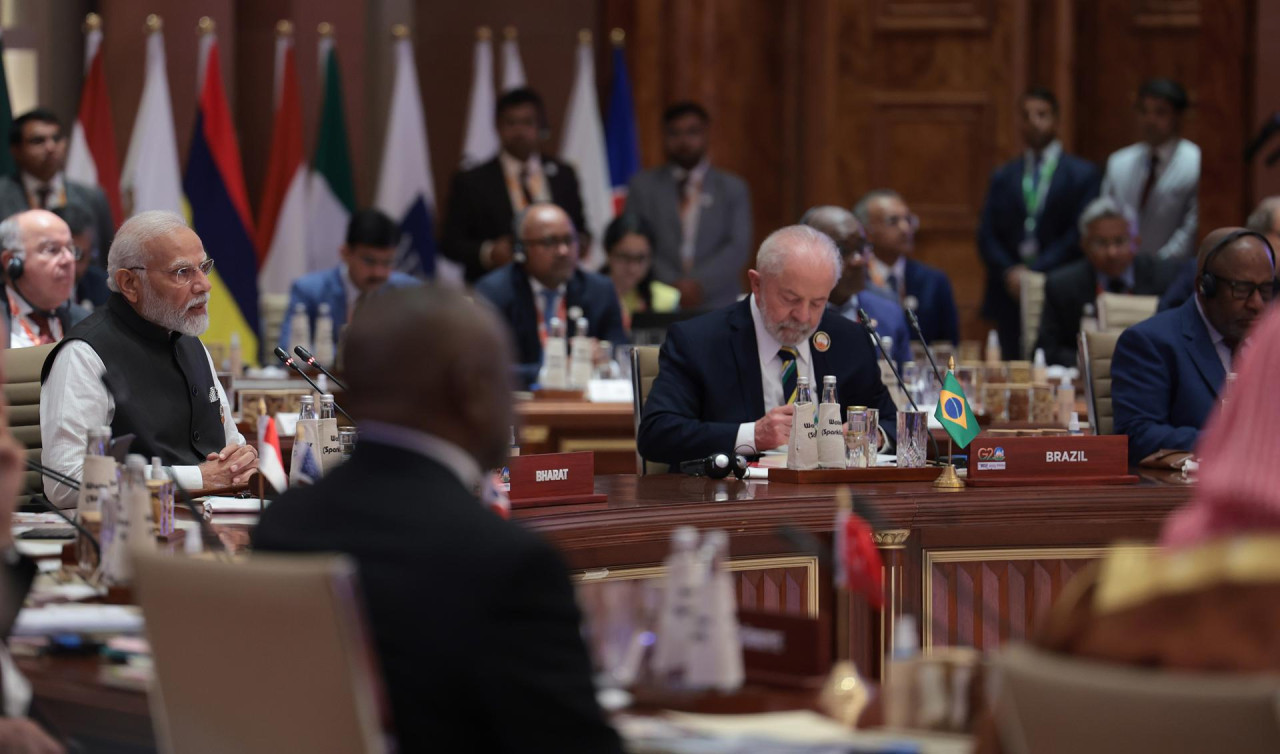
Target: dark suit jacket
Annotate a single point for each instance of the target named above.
(936, 310)
(473, 617)
(93, 287)
(1075, 183)
(1165, 378)
(68, 314)
(1067, 290)
(709, 382)
(480, 209)
(1182, 287)
(508, 289)
(326, 287)
(14, 199)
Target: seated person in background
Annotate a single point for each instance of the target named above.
(545, 282)
(628, 242)
(1108, 235)
(146, 342)
(91, 275)
(39, 265)
(726, 380)
(1265, 220)
(851, 292)
(1166, 372)
(490, 662)
(368, 261)
(891, 229)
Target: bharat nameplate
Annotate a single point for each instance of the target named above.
(553, 479)
(1073, 459)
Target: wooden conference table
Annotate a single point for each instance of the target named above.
(976, 566)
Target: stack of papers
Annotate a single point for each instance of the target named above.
(231, 505)
(78, 619)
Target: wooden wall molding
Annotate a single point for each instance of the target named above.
(1166, 14)
(933, 15)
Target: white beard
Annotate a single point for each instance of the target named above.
(153, 309)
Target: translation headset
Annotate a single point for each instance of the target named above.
(14, 267)
(1207, 284)
(717, 466)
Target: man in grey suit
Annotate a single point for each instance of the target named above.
(700, 216)
(38, 144)
(1159, 176)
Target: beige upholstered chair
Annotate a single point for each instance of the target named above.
(1055, 704)
(1095, 364)
(1116, 311)
(265, 655)
(22, 390)
(272, 313)
(644, 369)
(1032, 306)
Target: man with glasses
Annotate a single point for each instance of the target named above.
(891, 228)
(1166, 372)
(137, 365)
(851, 292)
(368, 257)
(543, 283)
(39, 268)
(1109, 239)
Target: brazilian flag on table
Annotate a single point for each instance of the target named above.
(954, 414)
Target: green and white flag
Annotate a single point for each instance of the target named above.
(332, 192)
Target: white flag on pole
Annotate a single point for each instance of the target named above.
(582, 145)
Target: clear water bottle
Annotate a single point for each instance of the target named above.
(327, 410)
(829, 394)
(299, 328)
(307, 407)
(323, 350)
(89, 507)
(804, 393)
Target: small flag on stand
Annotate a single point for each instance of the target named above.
(858, 565)
(270, 458)
(954, 413)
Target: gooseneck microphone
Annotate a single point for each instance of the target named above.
(73, 484)
(306, 356)
(865, 321)
(915, 326)
(288, 361)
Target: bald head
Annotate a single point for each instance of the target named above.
(43, 241)
(549, 241)
(1235, 281)
(843, 227)
(429, 358)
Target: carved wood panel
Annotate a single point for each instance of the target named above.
(933, 15)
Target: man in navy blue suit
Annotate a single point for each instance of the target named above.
(851, 292)
(726, 380)
(1166, 372)
(891, 228)
(544, 282)
(1029, 217)
(368, 259)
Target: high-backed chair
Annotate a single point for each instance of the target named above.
(1032, 305)
(644, 369)
(1055, 704)
(1117, 311)
(1095, 364)
(264, 655)
(22, 390)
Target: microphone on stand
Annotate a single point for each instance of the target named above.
(915, 327)
(865, 321)
(68, 481)
(288, 361)
(306, 356)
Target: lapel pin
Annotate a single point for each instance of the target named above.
(821, 341)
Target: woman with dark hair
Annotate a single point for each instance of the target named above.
(628, 241)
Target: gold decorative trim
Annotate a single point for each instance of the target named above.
(891, 539)
(808, 562)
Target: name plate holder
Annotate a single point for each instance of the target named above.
(553, 479)
(1071, 459)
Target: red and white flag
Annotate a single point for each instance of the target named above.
(858, 565)
(270, 459)
(91, 156)
(282, 218)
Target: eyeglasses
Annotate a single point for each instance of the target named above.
(183, 275)
(856, 247)
(1241, 290)
(912, 221)
(550, 242)
(53, 250)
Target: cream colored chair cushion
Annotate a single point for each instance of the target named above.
(22, 390)
(1055, 704)
(644, 369)
(1117, 311)
(1032, 306)
(1095, 364)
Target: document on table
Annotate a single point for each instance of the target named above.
(232, 505)
(78, 619)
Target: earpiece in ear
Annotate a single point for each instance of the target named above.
(13, 268)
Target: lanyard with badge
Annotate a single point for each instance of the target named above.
(1033, 197)
(33, 337)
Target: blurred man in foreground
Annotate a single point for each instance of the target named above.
(492, 661)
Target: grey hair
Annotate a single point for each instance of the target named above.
(862, 210)
(1104, 207)
(11, 236)
(784, 242)
(1261, 220)
(129, 247)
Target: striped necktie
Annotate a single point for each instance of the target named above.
(788, 356)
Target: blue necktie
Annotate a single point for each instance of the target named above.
(549, 298)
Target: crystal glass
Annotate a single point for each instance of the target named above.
(858, 440)
(913, 436)
(347, 441)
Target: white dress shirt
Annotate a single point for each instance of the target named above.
(443, 452)
(351, 291)
(770, 375)
(23, 331)
(57, 190)
(881, 272)
(73, 400)
(1219, 342)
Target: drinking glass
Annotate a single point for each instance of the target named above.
(913, 436)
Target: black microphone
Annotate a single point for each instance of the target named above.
(40, 498)
(288, 361)
(915, 326)
(306, 356)
(875, 336)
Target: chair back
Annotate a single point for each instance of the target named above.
(263, 655)
(1094, 354)
(1117, 311)
(644, 370)
(1054, 704)
(22, 390)
(1032, 306)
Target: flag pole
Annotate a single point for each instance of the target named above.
(948, 480)
(844, 695)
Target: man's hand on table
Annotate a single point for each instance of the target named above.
(774, 428)
(229, 467)
(21, 736)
